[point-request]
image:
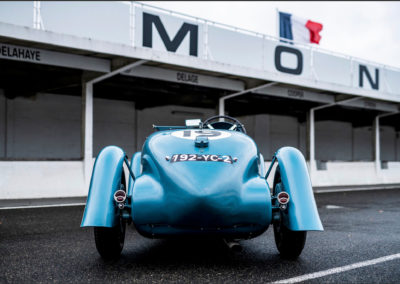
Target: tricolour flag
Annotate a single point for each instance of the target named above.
(298, 29)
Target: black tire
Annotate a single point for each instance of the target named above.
(289, 243)
(110, 241)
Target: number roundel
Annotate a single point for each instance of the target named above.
(191, 134)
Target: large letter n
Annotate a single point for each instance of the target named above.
(364, 70)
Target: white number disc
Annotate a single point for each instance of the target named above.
(191, 134)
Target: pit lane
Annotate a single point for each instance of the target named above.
(47, 245)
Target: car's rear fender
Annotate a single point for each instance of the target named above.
(101, 209)
(302, 213)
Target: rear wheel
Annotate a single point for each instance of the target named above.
(289, 243)
(110, 241)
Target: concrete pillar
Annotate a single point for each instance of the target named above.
(87, 116)
(87, 130)
(3, 126)
(221, 107)
(9, 129)
(311, 140)
(377, 145)
(398, 146)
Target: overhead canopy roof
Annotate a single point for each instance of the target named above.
(19, 78)
(209, 61)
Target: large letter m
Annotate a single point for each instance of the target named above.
(171, 45)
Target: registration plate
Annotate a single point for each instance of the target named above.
(201, 158)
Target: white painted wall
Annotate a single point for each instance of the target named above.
(41, 179)
(351, 174)
(45, 179)
(356, 173)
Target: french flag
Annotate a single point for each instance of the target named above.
(298, 29)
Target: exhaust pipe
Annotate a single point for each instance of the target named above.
(120, 197)
(233, 246)
(283, 199)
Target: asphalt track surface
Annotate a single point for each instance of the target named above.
(47, 245)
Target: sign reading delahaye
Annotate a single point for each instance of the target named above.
(35, 55)
(23, 53)
(169, 33)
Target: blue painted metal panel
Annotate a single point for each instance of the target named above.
(101, 210)
(197, 196)
(302, 210)
(136, 169)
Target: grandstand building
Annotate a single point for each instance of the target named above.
(78, 76)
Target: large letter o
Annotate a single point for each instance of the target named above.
(279, 50)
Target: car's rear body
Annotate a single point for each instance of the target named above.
(204, 190)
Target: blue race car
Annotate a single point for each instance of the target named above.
(205, 179)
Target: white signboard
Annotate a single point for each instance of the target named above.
(41, 56)
(277, 60)
(185, 78)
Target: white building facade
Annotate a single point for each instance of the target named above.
(78, 76)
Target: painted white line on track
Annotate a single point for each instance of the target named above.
(333, 207)
(354, 189)
(42, 206)
(340, 269)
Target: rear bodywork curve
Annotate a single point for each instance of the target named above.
(302, 213)
(101, 210)
(202, 198)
